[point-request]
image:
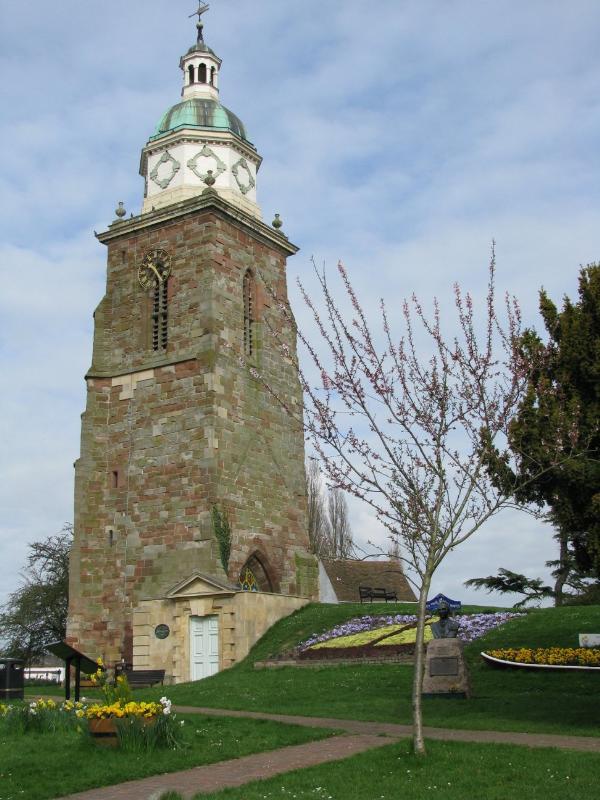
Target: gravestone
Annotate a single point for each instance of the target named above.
(445, 670)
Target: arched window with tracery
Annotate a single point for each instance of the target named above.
(248, 292)
(202, 73)
(254, 576)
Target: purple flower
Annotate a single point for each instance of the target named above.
(471, 626)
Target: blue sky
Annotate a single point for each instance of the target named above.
(399, 136)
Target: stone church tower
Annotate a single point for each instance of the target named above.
(178, 438)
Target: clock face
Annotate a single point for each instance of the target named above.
(154, 269)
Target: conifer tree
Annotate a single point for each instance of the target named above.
(555, 436)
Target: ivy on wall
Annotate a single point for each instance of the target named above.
(222, 531)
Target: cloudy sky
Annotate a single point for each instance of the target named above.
(400, 136)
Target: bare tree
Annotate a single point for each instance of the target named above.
(407, 424)
(35, 614)
(318, 524)
(341, 542)
(329, 530)
(394, 553)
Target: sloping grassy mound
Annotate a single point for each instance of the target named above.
(502, 700)
(317, 618)
(544, 627)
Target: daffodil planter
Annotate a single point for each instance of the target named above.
(105, 732)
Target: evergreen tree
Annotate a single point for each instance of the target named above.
(555, 436)
(562, 409)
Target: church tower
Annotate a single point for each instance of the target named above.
(191, 477)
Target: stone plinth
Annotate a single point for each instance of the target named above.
(445, 670)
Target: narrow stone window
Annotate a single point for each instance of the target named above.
(160, 316)
(213, 72)
(111, 537)
(202, 73)
(191, 73)
(248, 291)
(115, 479)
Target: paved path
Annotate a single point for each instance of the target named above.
(586, 743)
(237, 771)
(358, 737)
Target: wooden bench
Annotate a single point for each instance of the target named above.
(138, 678)
(376, 593)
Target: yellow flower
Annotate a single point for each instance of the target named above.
(553, 656)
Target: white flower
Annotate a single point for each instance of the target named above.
(166, 710)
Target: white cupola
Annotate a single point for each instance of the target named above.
(198, 142)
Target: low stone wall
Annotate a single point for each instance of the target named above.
(359, 653)
(243, 617)
(278, 663)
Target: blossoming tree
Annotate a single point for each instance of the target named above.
(404, 423)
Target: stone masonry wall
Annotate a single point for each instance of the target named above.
(165, 436)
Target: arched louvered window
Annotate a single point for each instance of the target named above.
(160, 316)
(248, 291)
(202, 73)
(191, 73)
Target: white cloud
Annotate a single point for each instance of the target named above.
(400, 137)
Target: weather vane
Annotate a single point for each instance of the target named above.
(202, 9)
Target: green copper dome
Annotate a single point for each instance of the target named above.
(200, 47)
(200, 113)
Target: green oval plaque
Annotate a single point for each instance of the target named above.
(162, 631)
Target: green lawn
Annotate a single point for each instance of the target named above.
(452, 771)
(502, 699)
(42, 766)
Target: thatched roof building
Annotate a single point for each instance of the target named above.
(339, 580)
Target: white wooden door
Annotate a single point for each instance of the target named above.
(204, 647)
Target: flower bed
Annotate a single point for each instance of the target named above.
(370, 635)
(548, 656)
(121, 710)
(134, 725)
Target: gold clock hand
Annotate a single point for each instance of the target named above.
(156, 272)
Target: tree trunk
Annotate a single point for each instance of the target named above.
(418, 739)
(563, 570)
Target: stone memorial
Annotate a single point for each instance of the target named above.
(445, 668)
(445, 627)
